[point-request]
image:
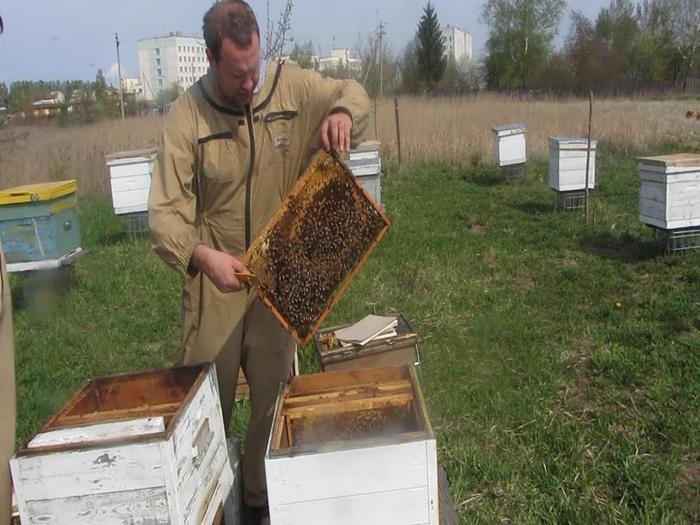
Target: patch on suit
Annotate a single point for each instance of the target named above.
(282, 141)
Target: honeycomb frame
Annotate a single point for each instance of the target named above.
(314, 245)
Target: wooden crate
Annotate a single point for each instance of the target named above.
(134, 448)
(567, 164)
(669, 196)
(314, 245)
(509, 142)
(39, 221)
(352, 447)
(394, 351)
(130, 179)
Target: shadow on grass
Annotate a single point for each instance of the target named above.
(110, 239)
(483, 177)
(533, 207)
(623, 248)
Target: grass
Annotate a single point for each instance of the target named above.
(561, 361)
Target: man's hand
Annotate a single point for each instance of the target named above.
(335, 131)
(220, 267)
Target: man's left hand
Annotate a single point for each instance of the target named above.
(335, 131)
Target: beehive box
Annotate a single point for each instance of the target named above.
(567, 164)
(398, 350)
(314, 245)
(509, 144)
(352, 447)
(39, 221)
(130, 179)
(135, 448)
(669, 196)
(366, 164)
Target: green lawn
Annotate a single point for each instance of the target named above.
(561, 361)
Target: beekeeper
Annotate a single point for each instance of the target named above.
(233, 146)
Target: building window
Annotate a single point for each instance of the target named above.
(157, 61)
(160, 72)
(160, 83)
(157, 52)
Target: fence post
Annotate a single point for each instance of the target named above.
(398, 128)
(588, 149)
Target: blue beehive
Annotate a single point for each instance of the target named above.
(39, 221)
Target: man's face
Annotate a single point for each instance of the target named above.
(238, 70)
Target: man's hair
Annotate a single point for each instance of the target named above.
(232, 19)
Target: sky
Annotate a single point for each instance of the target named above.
(72, 39)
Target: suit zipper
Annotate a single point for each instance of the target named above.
(249, 178)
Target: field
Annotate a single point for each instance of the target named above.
(456, 131)
(561, 360)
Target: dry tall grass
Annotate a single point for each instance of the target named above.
(453, 130)
(458, 130)
(31, 154)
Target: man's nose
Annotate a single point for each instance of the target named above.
(249, 84)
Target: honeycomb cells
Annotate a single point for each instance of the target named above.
(314, 243)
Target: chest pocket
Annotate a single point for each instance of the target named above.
(279, 127)
(218, 159)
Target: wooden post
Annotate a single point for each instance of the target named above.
(376, 134)
(398, 128)
(588, 148)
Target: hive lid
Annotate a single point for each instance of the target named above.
(44, 191)
(314, 245)
(572, 142)
(677, 160)
(509, 129)
(146, 153)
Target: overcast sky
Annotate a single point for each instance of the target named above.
(72, 39)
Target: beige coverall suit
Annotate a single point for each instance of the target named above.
(7, 394)
(221, 174)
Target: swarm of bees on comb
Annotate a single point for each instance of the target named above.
(314, 244)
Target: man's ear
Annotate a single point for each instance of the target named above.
(211, 59)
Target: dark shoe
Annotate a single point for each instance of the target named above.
(255, 515)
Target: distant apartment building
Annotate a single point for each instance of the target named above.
(458, 43)
(132, 86)
(170, 60)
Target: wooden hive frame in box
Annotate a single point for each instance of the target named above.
(352, 447)
(314, 245)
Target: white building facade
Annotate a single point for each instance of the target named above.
(170, 60)
(458, 43)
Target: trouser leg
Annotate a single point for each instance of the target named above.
(268, 352)
(214, 333)
(7, 397)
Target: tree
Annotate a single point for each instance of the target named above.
(520, 38)
(684, 21)
(277, 38)
(303, 54)
(410, 82)
(430, 49)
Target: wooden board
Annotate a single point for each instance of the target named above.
(448, 512)
(314, 245)
(675, 160)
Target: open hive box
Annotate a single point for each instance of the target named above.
(401, 349)
(314, 245)
(134, 448)
(352, 447)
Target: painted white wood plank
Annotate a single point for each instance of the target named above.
(99, 432)
(432, 473)
(167, 453)
(345, 473)
(146, 506)
(94, 471)
(402, 507)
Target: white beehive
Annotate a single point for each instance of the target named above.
(366, 164)
(567, 164)
(137, 448)
(510, 144)
(669, 196)
(352, 447)
(130, 179)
